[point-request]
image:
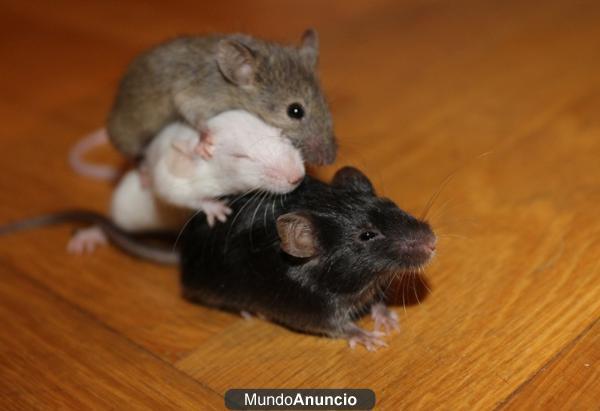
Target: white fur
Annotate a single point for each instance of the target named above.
(135, 207)
(248, 154)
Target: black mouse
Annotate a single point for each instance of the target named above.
(314, 260)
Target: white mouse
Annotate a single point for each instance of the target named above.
(246, 154)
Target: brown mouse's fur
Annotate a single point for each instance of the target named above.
(195, 78)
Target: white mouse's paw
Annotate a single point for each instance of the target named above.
(86, 240)
(214, 210)
(384, 318)
(370, 339)
(205, 146)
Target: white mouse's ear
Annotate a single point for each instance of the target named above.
(309, 48)
(236, 62)
(353, 178)
(297, 234)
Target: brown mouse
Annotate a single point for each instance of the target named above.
(195, 78)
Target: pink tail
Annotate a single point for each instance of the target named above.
(96, 171)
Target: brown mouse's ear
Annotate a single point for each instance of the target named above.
(309, 48)
(297, 234)
(236, 62)
(353, 178)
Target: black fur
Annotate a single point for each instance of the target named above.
(239, 265)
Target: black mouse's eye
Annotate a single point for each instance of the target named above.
(367, 235)
(295, 111)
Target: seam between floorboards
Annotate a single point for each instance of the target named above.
(502, 404)
(96, 319)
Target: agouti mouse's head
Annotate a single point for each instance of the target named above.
(280, 85)
(353, 240)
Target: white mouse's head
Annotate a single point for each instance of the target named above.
(255, 154)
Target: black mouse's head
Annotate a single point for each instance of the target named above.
(281, 86)
(353, 239)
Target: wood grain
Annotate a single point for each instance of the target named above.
(499, 97)
(570, 378)
(74, 362)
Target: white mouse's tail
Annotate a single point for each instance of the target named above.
(96, 171)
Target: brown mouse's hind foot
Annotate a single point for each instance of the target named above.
(384, 318)
(86, 240)
(371, 340)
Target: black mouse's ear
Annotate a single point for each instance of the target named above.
(353, 178)
(236, 62)
(297, 234)
(309, 48)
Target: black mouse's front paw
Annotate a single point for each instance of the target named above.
(384, 318)
(370, 339)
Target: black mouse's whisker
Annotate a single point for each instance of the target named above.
(436, 194)
(403, 283)
(448, 179)
(414, 284)
(384, 290)
(422, 281)
(451, 235)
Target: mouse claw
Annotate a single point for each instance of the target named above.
(214, 210)
(205, 147)
(86, 240)
(384, 318)
(371, 340)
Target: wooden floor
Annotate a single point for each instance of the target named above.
(504, 96)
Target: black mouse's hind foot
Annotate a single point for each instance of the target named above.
(372, 340)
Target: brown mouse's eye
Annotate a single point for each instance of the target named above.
(367, 235)
(295, 111)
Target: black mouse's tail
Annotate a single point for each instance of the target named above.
(128, 242)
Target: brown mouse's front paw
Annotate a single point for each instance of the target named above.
(384, 318)
(370, 339)
(205, 146)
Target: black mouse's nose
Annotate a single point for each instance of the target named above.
(425, 242)
(429, 244)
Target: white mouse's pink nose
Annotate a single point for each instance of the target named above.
(295, 180)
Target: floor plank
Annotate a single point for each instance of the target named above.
(569, 381)
(53, 356)
(502, 96)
